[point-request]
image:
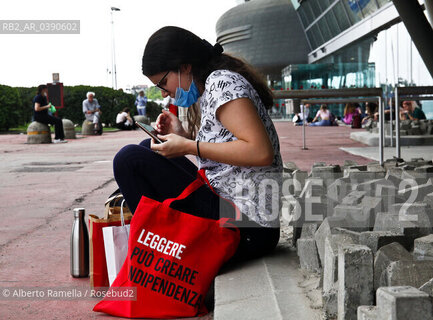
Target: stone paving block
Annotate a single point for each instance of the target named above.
(372, 205)
(393, 222)
(339, 189)
(368, 313)
(299, 177)
(362, 176)
(403, 303)
(385, 256)
(349, 163)
(425, 169)
(354, 198)
(326, 228)
(416, 193)
(415, 178)
(314, 187)
(330, 302)
(319, 164)
(330, 265)
(423, 248)
(313, 209)
(355, 280)
(429, 200)
(327, 172)
(394, 173)
(407, 273)
(308, 255)
(290, 166)
(427, 287)
(308, 230)
(376, 168)
(354, 235)
(418, 213)
(377, 239)
(354, 217)
(370, 186)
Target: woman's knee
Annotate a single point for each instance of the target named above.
(131, 154)
(145, 143)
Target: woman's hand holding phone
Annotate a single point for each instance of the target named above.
(173, 145)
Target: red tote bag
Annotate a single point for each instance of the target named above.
(172, 259)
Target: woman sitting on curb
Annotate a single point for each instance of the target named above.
(350, 111)
(124, 121)
(325, 117)
(230, 132)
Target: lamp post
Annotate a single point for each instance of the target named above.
(113, 52)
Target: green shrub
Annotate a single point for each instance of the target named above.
(10, 107)
(16, 105)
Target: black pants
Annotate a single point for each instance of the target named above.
(57, 122)
(140, 171)
(123, 126)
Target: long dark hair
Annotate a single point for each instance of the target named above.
(171, 47)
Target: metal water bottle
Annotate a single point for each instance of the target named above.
(79, 245)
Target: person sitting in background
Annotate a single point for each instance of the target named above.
(124, 120)
(325, 117)
(370, 110)
(300, 116)
(40, 112)
(349, 112)
(92, 110)
(141, 102)
(411, 112)
(387, 111)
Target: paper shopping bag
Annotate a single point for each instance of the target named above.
(98, 264)
(116, 246)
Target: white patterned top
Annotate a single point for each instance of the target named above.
(255, 190)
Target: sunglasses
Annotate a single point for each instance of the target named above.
(158, 85)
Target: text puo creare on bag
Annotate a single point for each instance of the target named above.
(172, 260)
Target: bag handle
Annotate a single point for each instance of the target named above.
(227, 223)
(117, 196)
(197, 183)
(107, 204)
(122, 219)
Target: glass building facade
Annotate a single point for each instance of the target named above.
(384, 57)
(325, 19)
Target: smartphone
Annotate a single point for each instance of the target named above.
(150, 131)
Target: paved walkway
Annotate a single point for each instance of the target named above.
(41, 184)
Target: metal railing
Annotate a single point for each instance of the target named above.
(407, 93)
(342, 96)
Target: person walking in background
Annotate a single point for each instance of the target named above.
(141, 102)
(92, 110)
(40, 112)
(325, 117)
(411, 112)
(124, 120)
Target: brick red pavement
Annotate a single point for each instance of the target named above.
(36, 206)
(323, 144)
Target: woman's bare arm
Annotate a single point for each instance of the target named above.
(38, 107)
(253, 147)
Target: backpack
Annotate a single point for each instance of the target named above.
(356, 121)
